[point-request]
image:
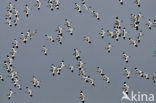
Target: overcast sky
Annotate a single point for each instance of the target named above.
(65, 88)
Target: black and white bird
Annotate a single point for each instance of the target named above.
(102, 33)
(139, 36)
(53, 69)
(28, 91)
(105, 77)
(108, 47)
(49, 38)
(78, 7)
(1, 78)
(27, 10)
(154, 78)
(82, 96)
(149, 24)
(10, 94)
(44, 50)
(35, 82)
(125, 87)
(133, 42)
(38, 4)
(125, 57)
(87, 39)
(76, 54)
(121, 2)
(137, 2)
(127, 72)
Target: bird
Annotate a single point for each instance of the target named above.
(71, 68)
(124, 32)
(125, 57)
(35, 82)
(108, 47)
(1, 78)
(27, 10)
(139, 36)
(82, 96)
(29, 91)
(102, 33)
(53, 69)
(127, 72)
(137, 2)
(44, 50)
(154, 78)
(121, 2)
(125, 88)
(149, 24)
(76, 54)
(38, 4)
(106, 78)
(78, 8)
(10, 94)
(133, 42)
(99, 70)
(87, 38)
(49, 38)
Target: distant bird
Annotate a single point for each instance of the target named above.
(78, 8)
(110, 33)
(59, 39)
(10, 94)
(57, 4)
(82, 72)
(91, 81)
(59, 30)
(137, 2)
(125, 88)
(99, 70)
(133, 42)
(76, 54)
(53, 69)
(102, 33)
(13, 52)
(71, 68)
(95, 14)
(154, 77)
(139, 72)
(149, 24)
(139, 36)
(35, 82)
(38, 4)
(121, 2)
(124, 32)
(87, 38)
(117, 23)
(50, 5)
(67, 23)
(105, 77)
(82, 96)
(127, 72)
(1, 78)
(83, 1)
(125, 57)
(27, 10)
(15, 43)
(44, 50)
(49, 38)
(70, 30)
(29, 91)
(108, 47)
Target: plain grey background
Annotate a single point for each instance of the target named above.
(65, 88)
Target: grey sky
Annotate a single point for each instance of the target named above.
(65, 88)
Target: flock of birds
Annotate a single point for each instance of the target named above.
(13, 17)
